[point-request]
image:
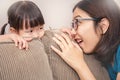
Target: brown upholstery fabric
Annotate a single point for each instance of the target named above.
(34, 64)
(18, 64)
(62, 71)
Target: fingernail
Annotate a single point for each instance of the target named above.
(56, 35)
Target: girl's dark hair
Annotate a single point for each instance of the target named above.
(23, 12)
(106, 49)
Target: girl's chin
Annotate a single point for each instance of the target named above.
(28, 39)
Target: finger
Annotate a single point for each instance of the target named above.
(60, 38)
(59, 43)
(67, 39)
(16, 42)
(20, 44)
(76, 45)
(26, 45)
(66, 30)
(23, 44)
(56, 50)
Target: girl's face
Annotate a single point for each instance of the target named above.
(30, 33)
(84, 31)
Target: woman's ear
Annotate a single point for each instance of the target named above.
(12, 30)
(104, 25)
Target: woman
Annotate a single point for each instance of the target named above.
(26, 21)
(96, 28)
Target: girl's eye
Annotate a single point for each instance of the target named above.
(31, 30)
(41, 28)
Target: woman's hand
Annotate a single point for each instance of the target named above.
(73, 55)
(70, 51)
(67, 31)
(20, 42)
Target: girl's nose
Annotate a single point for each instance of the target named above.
(35, 34)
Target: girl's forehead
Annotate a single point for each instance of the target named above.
(27, 24)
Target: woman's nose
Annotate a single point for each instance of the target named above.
(73, 33)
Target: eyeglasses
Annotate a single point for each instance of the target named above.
(76, 22)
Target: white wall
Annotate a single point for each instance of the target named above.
(57, 13)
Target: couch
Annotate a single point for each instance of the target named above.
(40, 62)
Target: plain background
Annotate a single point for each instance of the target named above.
(57, 13)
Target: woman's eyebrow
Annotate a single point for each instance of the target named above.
(78, 16)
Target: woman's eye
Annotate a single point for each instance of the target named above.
(79, 23)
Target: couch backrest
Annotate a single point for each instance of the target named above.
(62, 71)
(29, 64)
(40, 62)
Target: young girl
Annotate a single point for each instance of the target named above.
(96, 28)
(25, 20)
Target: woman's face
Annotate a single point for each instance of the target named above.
(30, 33)
(85, 33)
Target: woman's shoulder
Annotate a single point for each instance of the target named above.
(118, 53)
(117, 61)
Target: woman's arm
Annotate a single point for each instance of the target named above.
(118, 76)
(19, 41)
(84, 72)
(73, 55)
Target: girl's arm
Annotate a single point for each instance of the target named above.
(73, 55)
(19, 41)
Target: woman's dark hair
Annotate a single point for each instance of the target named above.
(106, 49)
(23, 12)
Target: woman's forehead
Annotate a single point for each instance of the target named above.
(80, 13)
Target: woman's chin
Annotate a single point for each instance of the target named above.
(87, 51)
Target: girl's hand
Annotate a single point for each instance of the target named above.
(70, 51)
(20, 42)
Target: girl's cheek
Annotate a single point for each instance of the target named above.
(41, 33)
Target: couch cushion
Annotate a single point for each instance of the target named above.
(29, 64)
(62, 71)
